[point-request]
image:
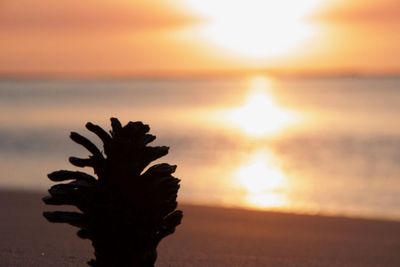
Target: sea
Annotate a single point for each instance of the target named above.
(312, 145)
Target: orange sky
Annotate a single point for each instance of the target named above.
(161, 36)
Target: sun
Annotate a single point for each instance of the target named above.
(260, 115)
(255, 28)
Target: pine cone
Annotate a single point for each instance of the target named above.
(125, 212)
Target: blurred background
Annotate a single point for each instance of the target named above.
(283, 105)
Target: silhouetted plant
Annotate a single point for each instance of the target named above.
(126, 211)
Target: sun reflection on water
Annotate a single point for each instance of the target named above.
(263, 183)
(260, 115)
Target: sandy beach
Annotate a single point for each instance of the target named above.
(209, 236)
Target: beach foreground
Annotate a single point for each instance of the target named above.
(209, 237)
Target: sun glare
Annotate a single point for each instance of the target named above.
(255, 28)
(259, 115)
(262, 181)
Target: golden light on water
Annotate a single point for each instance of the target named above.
(255, 28)
(260, 115)
(263, 182)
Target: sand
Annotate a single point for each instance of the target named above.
(209, 236)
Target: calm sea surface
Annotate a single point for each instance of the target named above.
(308, 145)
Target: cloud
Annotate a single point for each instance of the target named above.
(89, 15)
(378, 12)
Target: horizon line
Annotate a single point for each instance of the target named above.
(192, 74)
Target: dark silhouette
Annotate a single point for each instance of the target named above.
(125, 212)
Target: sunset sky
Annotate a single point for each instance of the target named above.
(96, 37)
